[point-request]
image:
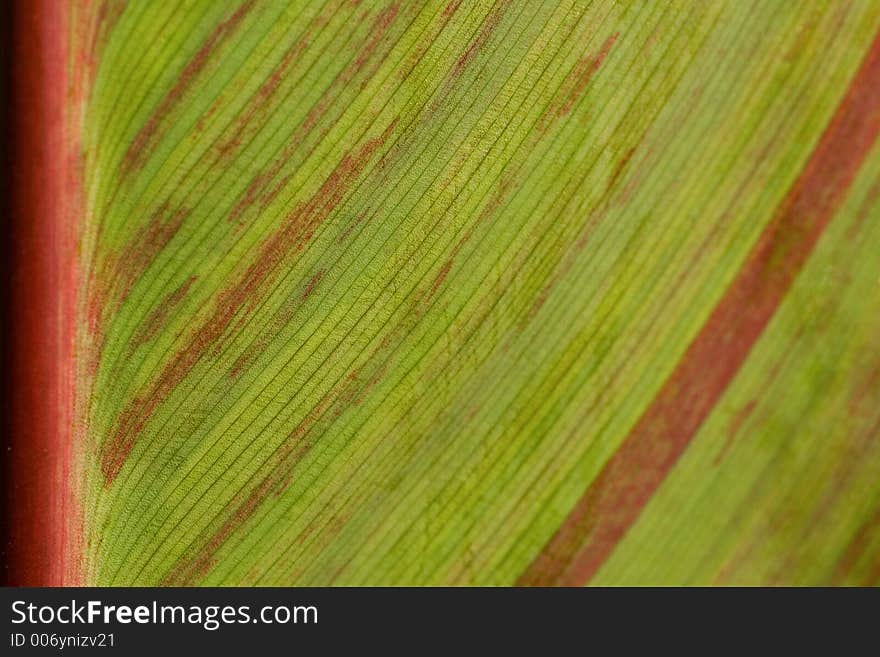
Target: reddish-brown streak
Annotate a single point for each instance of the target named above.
(574, 85)
(142, 249)
(282, 317)
(111, 283)
(831, 498)
(856, 549)
(312, 284)
(480, 41)
(736, 424)
(606, 202)
(259, 103)
(329, 531)
(346, 232)
(270, 195)
(450, 8)
(582, 73)
(158, 316)
(292, 236)
(615, 499)
(196, 568)
(416, 56)
(866, 392)
(441, 276)
(256, 189)
(567, 261)
(498, 197)
(211, 111)
(380, 26)
(745, 412)
(239, 509)
(507, 184)
(146, 138)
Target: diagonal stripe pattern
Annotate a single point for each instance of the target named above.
(544, 293)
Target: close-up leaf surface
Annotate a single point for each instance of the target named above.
(467, 293)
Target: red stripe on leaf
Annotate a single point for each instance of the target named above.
(615, 499)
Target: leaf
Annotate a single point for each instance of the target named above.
(471, 293)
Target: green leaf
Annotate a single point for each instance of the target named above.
(476, 293)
